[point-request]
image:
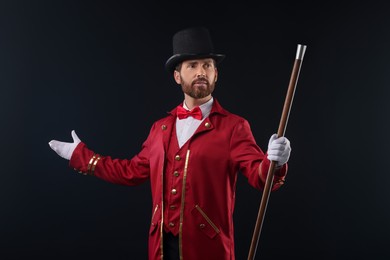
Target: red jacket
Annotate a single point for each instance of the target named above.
(221, 147)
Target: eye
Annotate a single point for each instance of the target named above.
(208, 65)
(191, 65)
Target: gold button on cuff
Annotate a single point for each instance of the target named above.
(177, 158)
(164, 127)
(174, 191)
(176, 173)
(171, 224)
(207, 125)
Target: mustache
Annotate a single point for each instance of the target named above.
(197, 81)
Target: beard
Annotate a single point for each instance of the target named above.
(196, 92)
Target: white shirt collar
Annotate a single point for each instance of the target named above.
(206, 107)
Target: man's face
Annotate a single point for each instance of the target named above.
(197, 77)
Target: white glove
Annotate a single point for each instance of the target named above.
(279, 150)
(63, 149)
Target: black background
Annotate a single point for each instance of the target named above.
(98, 67)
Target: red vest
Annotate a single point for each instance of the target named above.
(173, 180)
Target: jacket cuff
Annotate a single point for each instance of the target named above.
(279, 173)
(83, 160)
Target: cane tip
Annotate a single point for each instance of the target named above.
(300, 51)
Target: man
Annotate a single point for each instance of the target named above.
(192, 158)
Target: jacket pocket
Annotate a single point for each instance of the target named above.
(155, 218)
(204, 223)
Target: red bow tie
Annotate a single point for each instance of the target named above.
(184, 113)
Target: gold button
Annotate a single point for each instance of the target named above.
(164, 127)
(207, 125)
(176, 173)
(177, 158)
(172, 207)
(202, 226)
(171, 224)
(174, 191)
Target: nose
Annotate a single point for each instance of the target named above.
(201, 72)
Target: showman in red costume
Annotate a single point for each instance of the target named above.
(192, 158)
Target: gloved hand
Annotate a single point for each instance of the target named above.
(64, 149)
(279, 150)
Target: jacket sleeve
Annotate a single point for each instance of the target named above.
(279, 173)
(251, 161)
(127, 172)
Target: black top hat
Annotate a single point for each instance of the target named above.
(192, 43)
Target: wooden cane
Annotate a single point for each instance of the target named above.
(281, 131)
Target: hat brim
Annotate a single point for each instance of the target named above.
(177, 58)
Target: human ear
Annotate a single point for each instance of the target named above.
(176, 76)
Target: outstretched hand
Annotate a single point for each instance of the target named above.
(279, 150)
(64, 149)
